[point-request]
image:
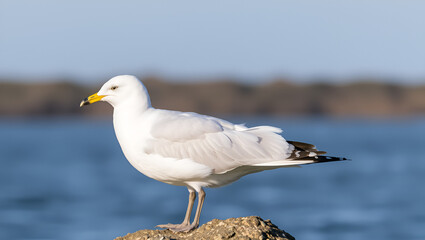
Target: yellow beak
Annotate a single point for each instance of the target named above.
(92, 99)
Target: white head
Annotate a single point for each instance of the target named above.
(121, 90)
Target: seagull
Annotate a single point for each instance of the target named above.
(194, 150)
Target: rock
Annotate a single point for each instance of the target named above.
(232, 228)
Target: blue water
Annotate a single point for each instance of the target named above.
(67, 179)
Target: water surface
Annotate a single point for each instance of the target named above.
(67, 179)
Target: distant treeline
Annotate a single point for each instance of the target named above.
(225, 98)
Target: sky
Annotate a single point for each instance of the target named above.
(243, 39)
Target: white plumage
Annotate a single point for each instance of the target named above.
(193, 150)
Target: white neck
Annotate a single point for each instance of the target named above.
(129, 111)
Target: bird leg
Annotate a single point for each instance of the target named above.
(195, 223)
(186, 221)
(192, 197)
(201, 199)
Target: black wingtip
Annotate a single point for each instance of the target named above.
(320, 159)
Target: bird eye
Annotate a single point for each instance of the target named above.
(114, 87)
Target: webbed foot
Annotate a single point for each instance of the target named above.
(178, 227)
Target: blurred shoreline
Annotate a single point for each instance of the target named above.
(225, 98)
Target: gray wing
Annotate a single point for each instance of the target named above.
(216, 143)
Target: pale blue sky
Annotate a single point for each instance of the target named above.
(245, 39)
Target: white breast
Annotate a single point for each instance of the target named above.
(133, 136)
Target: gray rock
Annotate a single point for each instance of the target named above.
(232, 228)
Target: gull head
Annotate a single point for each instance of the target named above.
(120, 90)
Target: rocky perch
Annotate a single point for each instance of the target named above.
(232, 228)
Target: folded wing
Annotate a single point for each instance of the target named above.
(216, 143)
